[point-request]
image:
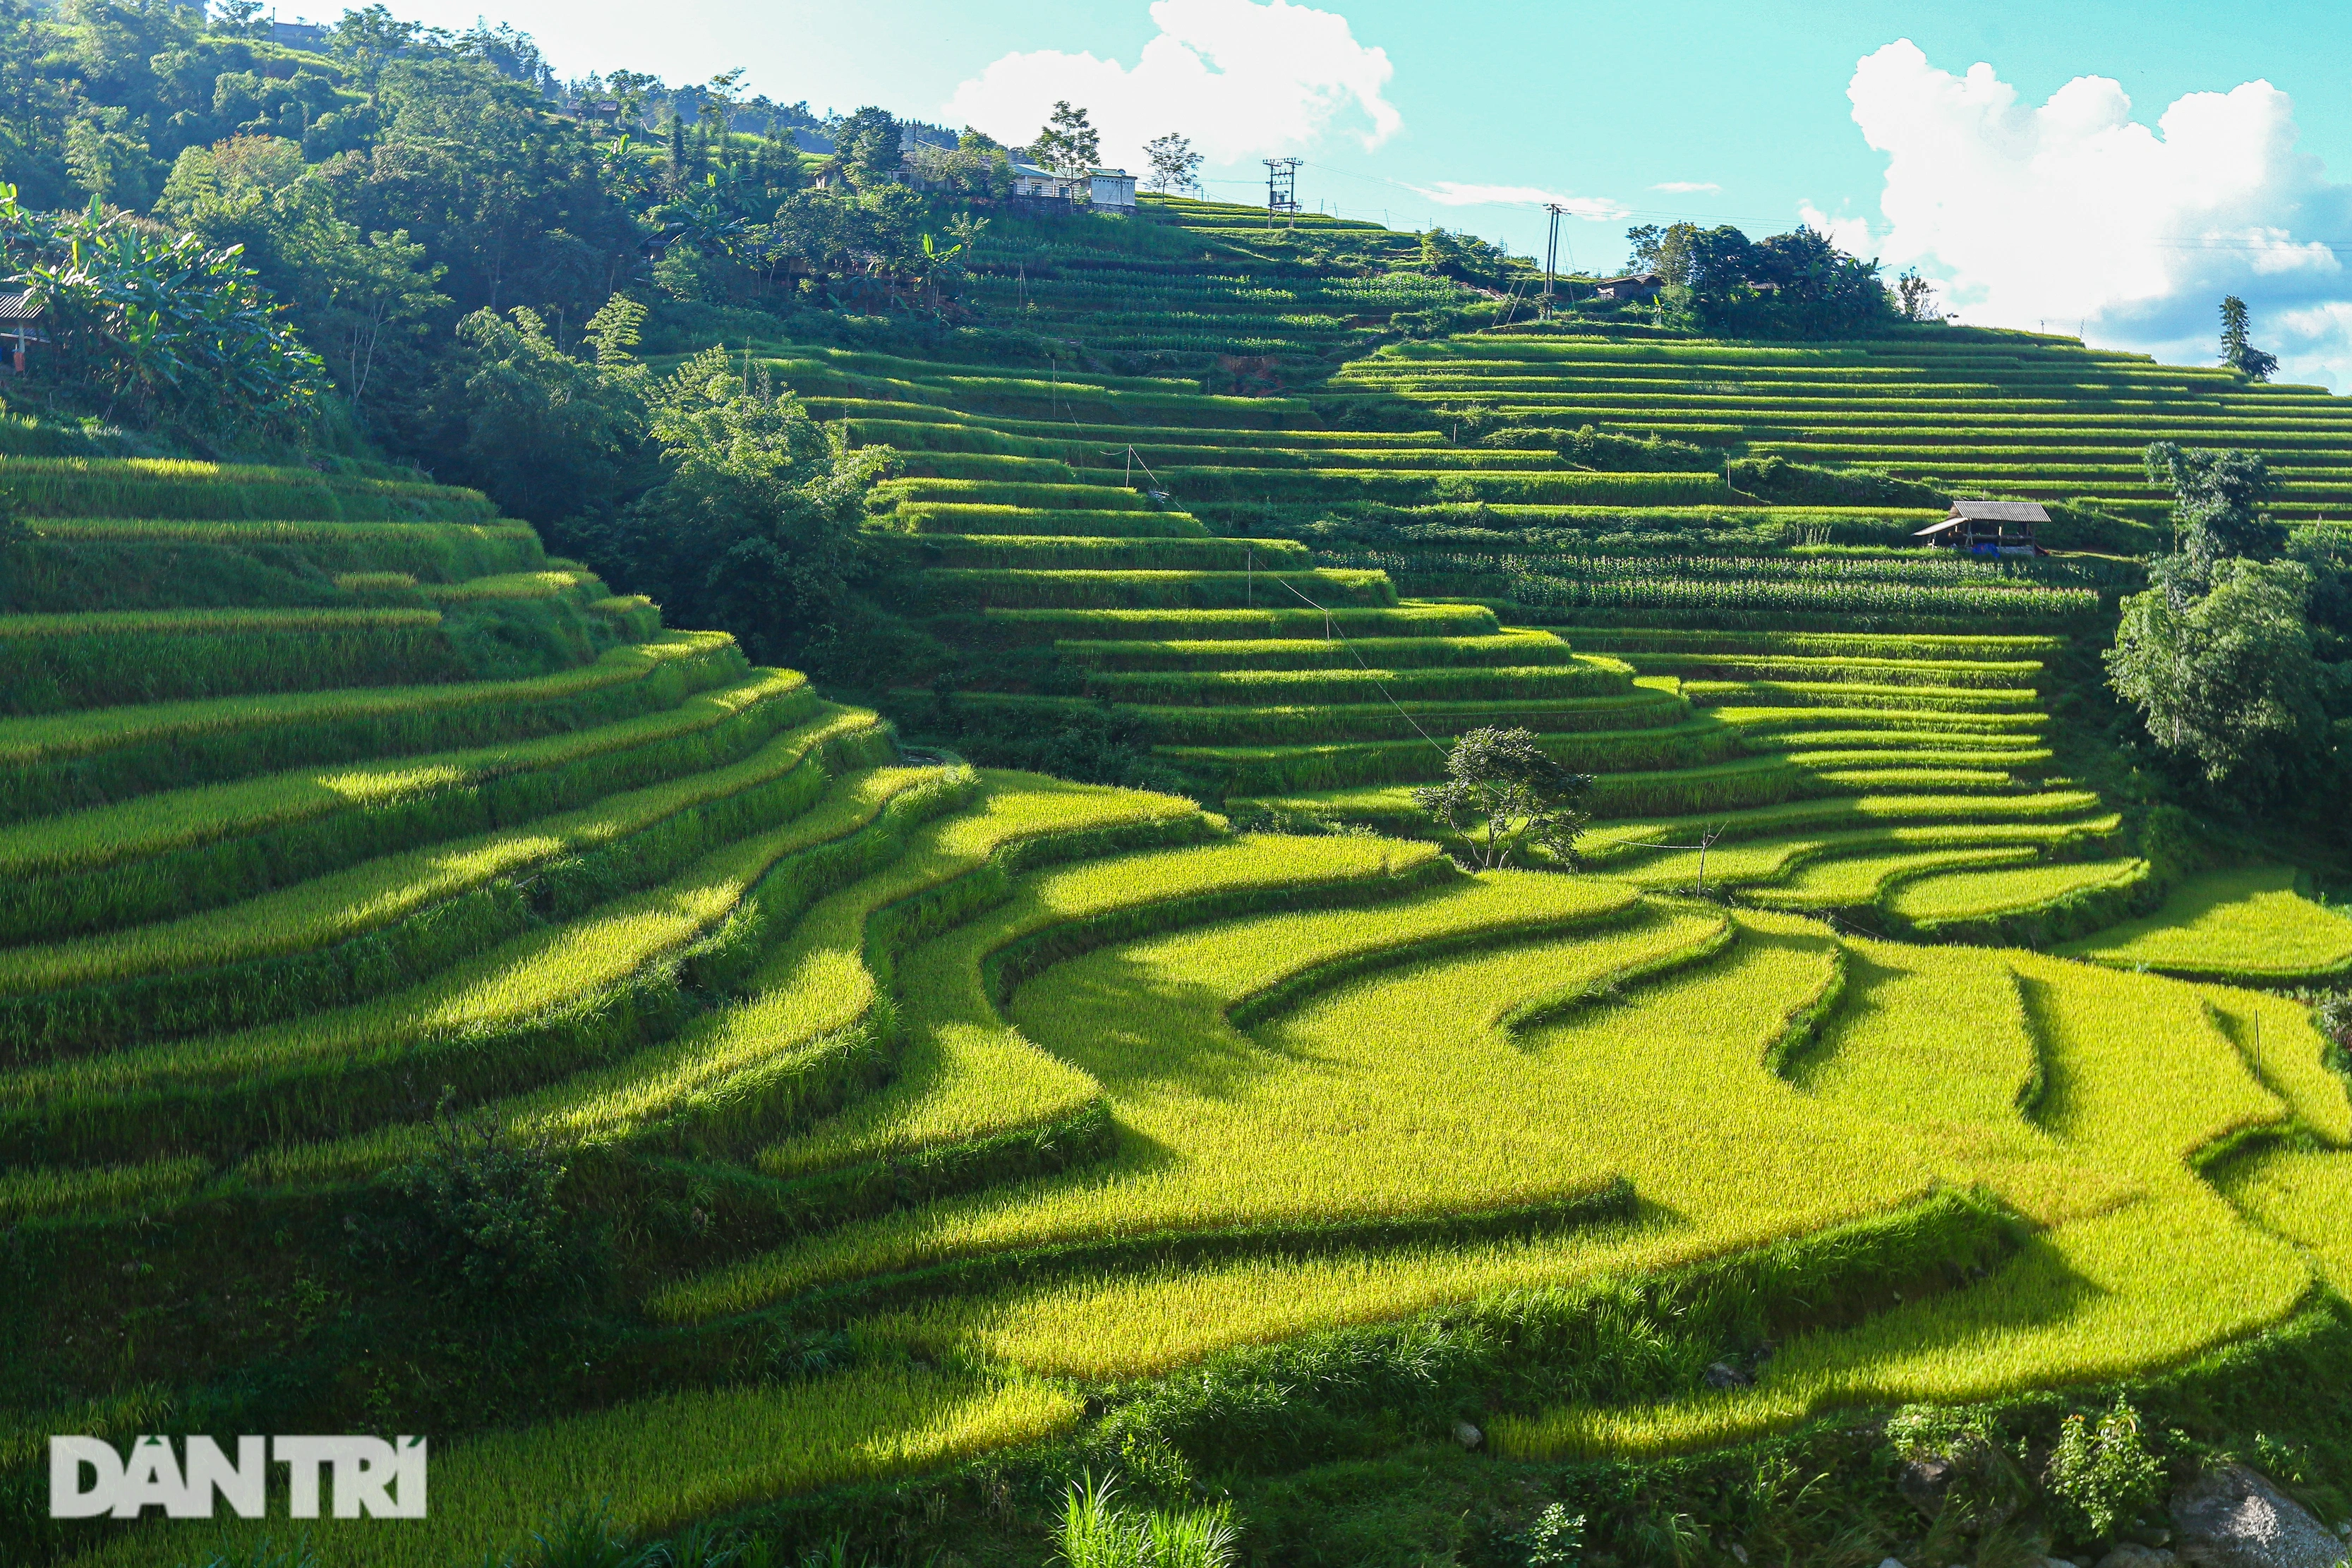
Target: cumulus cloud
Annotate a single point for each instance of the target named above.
(1455, 194)
(1849, 232)
(2072, 211)
(1682, 187)
(1241, 79)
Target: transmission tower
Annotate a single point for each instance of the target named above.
(1281, 187)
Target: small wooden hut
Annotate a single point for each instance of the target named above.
(1989, 527)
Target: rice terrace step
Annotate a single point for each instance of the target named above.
(830, 908)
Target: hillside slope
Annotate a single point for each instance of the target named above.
(434, 997)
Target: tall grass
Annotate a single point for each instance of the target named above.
(663, 1461)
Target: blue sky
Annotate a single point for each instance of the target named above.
(2026, 214)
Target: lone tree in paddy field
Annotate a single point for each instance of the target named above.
(1522, 794)
(1175, 167)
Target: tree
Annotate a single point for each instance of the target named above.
(2227, 684)
(2217, 497)
(550, 439)
(868, 143)
(1068, 145)
(1523, 795)
(1175, 165)
(1666, 251)
(756, 529)
(2236, 352)
(169, 331)
(1914, 298)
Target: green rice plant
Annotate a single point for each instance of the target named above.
(1743, 862)
(996, 493)
(2030, 899)
(64, 762)
(34, 1189)
(1859, 881)
(2302, 1196)
(2245, 924)
(521, 1012)
(1573, 1098)
(1044, 551)
(437, 552)
(53, 662)
(1219, 1135)
(815, 1020)
(159, 855)
(1527, 580)
(967, 589)
(1860, 671)
(1838, 694)
(397, 920)
(1272, 768)
(661, 1462)
(1193, 484)
(1506, 650)
(550, 583)
(1977, 1069)
(928, 518)
(2142, 1264)
(181, 487)
(1836, 759)
(1888, 645)
(1852, 811)
(1035, 625)
(1583, 676)
(966, 1075)
(992, 465)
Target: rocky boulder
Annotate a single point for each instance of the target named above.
(2232, 1518)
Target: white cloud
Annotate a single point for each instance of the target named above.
(1242, 79)
(1849, 232)
(1455, 194)
(1683, 187)
(2074, 212)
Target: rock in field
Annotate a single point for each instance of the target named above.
(2232, 1518)
(2131, 1555)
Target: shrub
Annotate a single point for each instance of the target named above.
(1554, 1540)
(485, 1211)
(2099, 1477)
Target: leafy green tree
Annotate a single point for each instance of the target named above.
(755, 527)
(1665, 251)
(2217, 497)
(166, 333)
(1069, 144)
(2237, 353)
(2226, 682)
(552, 438)
(1175, 167)
(1504, 782)
(867, 144)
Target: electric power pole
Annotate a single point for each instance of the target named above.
(1281, 188)
(1552, 255)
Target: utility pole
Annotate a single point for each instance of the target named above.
(1281, 188)
(1551, 254)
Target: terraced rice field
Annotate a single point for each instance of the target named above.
(917, 1111)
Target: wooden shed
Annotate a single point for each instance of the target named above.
(1989, 527)
(21, 326)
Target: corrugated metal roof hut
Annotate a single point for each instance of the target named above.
(1989, 527)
